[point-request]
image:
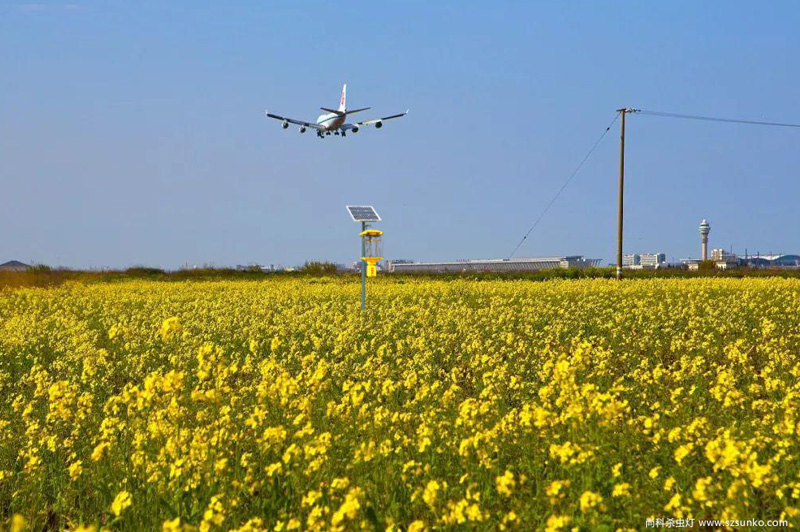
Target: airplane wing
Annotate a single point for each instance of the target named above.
(291, 120)
(377, 120)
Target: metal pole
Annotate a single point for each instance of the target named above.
(363, 268)
(622, 113)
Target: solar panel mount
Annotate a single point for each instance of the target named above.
(363, 213)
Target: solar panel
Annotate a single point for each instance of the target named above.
(363, 213)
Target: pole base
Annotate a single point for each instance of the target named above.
(619, 273)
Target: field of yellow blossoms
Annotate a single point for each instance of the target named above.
(447, 405)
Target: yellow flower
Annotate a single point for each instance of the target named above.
(85, 528)
(683, 451)
(556, 489)
(75, 469)
(18, 523)
(790, 511)
(311, 498)
(171, 526)
(621, 490)
(215, 512)
(505, 483)
(474, 513)
(557, 523)
(674, 503)
(340, 483)
(122, 501)
(99, 451)
(350, 506)
(590, 500)
(431, 492)
(417, 526)
(170, 328)
(701, 489)
(272, 469)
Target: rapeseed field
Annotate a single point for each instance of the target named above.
(447, 405)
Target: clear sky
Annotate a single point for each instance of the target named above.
(134, 132)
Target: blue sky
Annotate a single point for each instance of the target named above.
(133, 132)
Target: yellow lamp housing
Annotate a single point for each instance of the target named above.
(372, 268)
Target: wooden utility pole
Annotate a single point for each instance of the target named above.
(622, 113)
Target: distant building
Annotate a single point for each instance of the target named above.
(631, 259)
(694, 264)
(726, 264)
(254, 267)
(787, 261)
(691, 264)
(644, 261)
(720, 255)
(653, 260)
(14, 266)
(493, 265)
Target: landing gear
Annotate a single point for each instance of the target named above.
(344, 134)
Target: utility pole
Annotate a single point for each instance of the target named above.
(364, 227)
(622, 112)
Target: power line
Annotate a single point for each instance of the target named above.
(552, 201)
(716, 119)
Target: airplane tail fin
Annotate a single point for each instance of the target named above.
(343, 100)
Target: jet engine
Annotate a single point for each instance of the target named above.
(354, 129)
(378, 125)
(302, 129)
(285, 125)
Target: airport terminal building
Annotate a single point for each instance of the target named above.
(492, 265)
(787, 261)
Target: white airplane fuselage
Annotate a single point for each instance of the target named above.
(330, 121)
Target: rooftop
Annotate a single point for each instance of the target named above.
(14, 264)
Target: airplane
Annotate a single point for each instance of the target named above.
(334, 120)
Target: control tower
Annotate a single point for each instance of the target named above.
(704, 230)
